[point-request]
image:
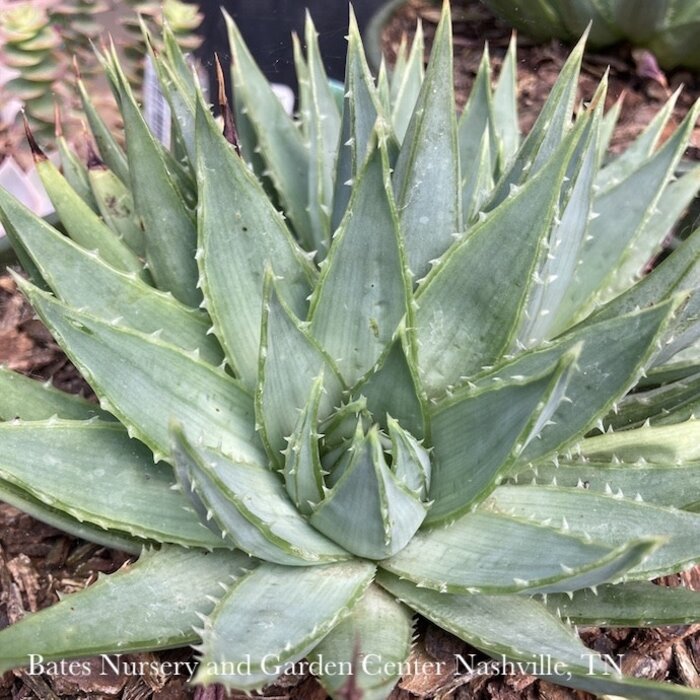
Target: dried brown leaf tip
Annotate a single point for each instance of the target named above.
(230, 132)
(37, 153)
(94, 162)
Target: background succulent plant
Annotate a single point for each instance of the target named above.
(183, 18)
(436, 384)
(39, 40)
(31, 46)
(668, 28)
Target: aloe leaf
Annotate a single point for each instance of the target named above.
(290, 360)
(371, 643)
(426, 176)
(406, 85)
(492, 553)
(624, 344)
(638, 151)
(120, 489)
(383, 89)
(509, 626)
(680, 341)
(521, 630)
(674, 486)
(61, 521)
(360, 110)
(473, 124)
(397, 72)
(23, 257)
(678, 443)
(607, 127)
(670, 403)
(281, 144)
(116, 205)
(559, 269)
(324, 127)
(609, 520)
(411, 461)
(679, 272)
(181, 99)
(177, 60)
(75, 172)
(454, 339)
(80, 221)
(81, 279)
(30, 399)
(168, 223)
(504, 108)
(392, 388)
(111, 152)
(673, 372)
(674, 200)
(250, 505)
(240, 235)
(548, 131)
(296, 607)
(303, 477)
(109, 616)
(477, 191)
(369, 511)
(147, 383)
(630, 204)
(470, 457)
(362, 294)
(634, 604)
(301, 68)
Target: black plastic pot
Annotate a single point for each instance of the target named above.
(267, 26)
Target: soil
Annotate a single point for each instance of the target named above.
(38, 562)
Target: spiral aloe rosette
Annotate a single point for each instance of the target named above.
(668, 28)
(30, 46)
(463, 403)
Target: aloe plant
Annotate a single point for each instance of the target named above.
(668, 28)
(434, 383)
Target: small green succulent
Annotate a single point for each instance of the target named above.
(668, 28)
(30, 46)
(370, 361)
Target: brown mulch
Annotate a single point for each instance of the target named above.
(37, 562)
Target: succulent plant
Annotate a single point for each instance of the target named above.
(79, 23)
(183, 18)
(668, 28)
(434, 383)
(31, 46)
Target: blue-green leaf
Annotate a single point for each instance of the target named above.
(240, 236)
(362, 294)
(250, 506)
(274, 616)
(290, 361)
(426, 177)
(109, 615)
(147, 383)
